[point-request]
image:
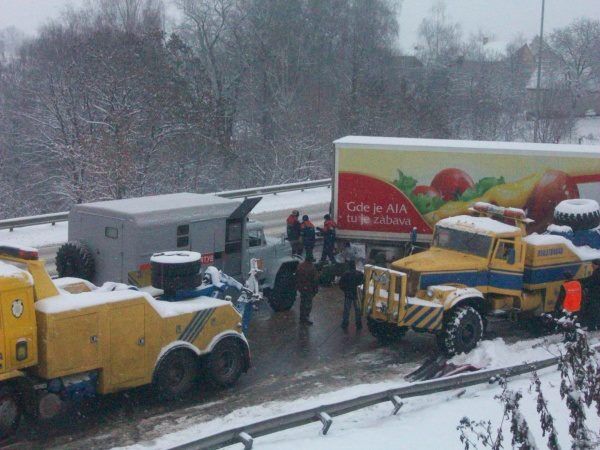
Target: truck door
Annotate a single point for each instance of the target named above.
(127, 344)
(236, 246)
(208, 238)
(107, 246)
(506, 268)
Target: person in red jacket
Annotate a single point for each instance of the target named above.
(307, 231)
(570, 295)
(307, 283)
(293, 232)
(328, 232)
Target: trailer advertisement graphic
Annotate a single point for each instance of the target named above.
(368, 203)
(388, 191)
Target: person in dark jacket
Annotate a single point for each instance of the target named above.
(349, 282)
(328, 232)
(307, 283)
(293, 232)
(307, 231)
(591, 305)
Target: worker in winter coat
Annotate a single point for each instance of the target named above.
(293, 232)
(570, 295)
(328, 232)
(307, 283)
(307, 232)
(349, 282)
(591, 304)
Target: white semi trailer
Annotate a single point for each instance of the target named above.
(387, 190)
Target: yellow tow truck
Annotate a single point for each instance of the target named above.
(475, 267)
(65, 339)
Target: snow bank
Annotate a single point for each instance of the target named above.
(293, 199)
(496, 353)
(36, 235)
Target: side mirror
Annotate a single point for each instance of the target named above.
(510, 257)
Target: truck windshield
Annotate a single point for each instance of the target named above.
(462, 241)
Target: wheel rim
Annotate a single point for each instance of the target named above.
(467, 334)
(226, 363)
(176, 374)
(9, 411)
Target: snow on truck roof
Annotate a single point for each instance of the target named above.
(450, 145)
(159, 208)
(481, 225)
(72, 302)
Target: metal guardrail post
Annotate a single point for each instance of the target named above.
(396, 396)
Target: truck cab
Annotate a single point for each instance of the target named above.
(475, 267)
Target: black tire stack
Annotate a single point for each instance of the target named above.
(175, 271)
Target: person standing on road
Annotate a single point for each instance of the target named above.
(349, 282)
(328, 232)
(307, 231)
(570, 295)
(591, 305)
(293, 232)
(307, 283)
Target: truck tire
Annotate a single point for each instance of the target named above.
(176, 374)
(579, 214)
(10, 411)
(283, 294)
(74, 259)
(463, 329)
(225, 363)
(385, 333)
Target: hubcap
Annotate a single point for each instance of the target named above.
(227, 363)
(176, 374)
(468, 334)
(9, 412)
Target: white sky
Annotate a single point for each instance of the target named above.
(500, 19)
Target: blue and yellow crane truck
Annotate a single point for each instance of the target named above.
(476, 267)
(66, 339)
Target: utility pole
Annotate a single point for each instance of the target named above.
(538, 89)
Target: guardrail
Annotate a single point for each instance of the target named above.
(52, 218)
(247, 433)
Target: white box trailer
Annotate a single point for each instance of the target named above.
(384, 188)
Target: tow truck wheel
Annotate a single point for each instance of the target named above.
(385, 332)
(283, 294)
(176, 374)
(74, 259)
(225, 363)
(10, 412)
(463, 329)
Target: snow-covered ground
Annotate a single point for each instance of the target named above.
(47, 234)
(422, 423)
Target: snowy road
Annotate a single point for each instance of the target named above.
(288, 362)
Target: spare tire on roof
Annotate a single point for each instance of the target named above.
(175, 271)
(74, 259)
(579, 214)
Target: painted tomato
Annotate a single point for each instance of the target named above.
(426, 190)
(554, 187)
(451, 183)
